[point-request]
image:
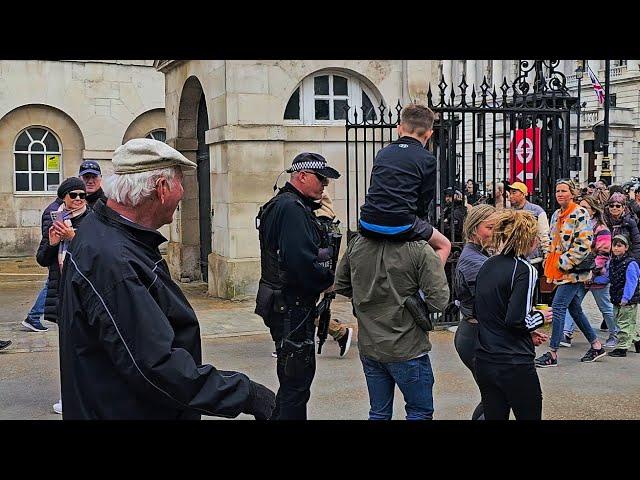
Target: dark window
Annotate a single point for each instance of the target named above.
(22, 145)
(37, 133)
(53, 179)
(367, 107)
(37, 182)
(612, 100)
(22, 182)
(321, 85)
(159, 135)
(22, 162)
(51, 143)
(480, 125)
(479, 166)
(292, 112)
(339, 85)
(339, 112)
(322, 109)
(37, 162)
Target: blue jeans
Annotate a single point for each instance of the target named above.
(413, 377)
(38, 307)
(569, 297)
(603, 300)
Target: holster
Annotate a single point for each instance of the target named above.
(418, 310)
(297, 356)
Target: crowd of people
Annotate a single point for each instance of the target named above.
(130, 344)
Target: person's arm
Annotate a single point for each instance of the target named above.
(46, 254)
(136, 335)
(581, 244)
(520, 313)
(631, 282)
(543, 233)
(441, 245)
(298, 251)
(431, 277)
(343, 274)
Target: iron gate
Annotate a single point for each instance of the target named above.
(519, 132)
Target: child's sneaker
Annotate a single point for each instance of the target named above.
(618, 352)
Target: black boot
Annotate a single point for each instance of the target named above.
(637, 345)
(618, 352)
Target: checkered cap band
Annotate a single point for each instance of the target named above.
(296, 167)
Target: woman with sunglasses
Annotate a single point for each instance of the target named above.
(620, 221)
(58, 231)
(571, 236)
(57, 235)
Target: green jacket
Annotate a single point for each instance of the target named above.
(379, 275)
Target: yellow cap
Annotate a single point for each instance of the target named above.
(520, 187)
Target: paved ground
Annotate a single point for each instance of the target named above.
(234, 338)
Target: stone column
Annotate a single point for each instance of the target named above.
(497, 74)
(633, 65)
(471, 75)
(595, 65)
(418, 77)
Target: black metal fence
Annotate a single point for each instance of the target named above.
(484, 139)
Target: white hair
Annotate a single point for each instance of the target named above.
(134, 188)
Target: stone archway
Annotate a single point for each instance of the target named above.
(195, 208)
(145, 123)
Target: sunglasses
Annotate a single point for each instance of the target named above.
(324, 180)
(615, 205)
(74, 195)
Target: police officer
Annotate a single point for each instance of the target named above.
(293, 248)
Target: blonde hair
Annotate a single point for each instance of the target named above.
(514, 232)
(476, 215)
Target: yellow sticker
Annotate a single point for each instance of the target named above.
(53, 163)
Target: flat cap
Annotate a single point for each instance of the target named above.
(145, 154)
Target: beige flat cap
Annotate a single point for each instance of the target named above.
(144, 154)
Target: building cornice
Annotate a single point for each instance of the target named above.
(165, 65)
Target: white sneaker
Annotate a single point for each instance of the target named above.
(57, 407)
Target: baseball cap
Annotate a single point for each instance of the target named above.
(314, 162)
(521, 187)
(145, 154)
(89, 166)
(621, 238)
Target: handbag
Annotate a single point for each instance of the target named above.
(586, 265)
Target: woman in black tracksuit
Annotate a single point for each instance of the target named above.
(505, 285)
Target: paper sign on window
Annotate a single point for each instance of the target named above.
(53, 163)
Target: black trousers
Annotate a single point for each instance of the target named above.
(295, 382)
(506, 387)
(466, 341)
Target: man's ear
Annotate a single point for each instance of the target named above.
(160, 189)
(427, 135)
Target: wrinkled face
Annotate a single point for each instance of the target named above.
(77, 202)
(312, 184)
(563, 194)
(618, 248)
(92, 182)
(516, 197)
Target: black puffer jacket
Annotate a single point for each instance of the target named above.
(47, 256)
(627, 226)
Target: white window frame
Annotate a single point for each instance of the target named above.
(29, 152)
(355, 87)
(150, 134)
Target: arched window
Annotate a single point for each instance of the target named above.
(321, 98)
(38, 160)
(159, 134)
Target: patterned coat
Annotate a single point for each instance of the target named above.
(576, 236)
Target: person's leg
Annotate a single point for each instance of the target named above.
(415, 380)
(381, 387)
(522, 388)
(37, 310)
(494, 400)
(296, 369)
(575, 309)
(465, 342)
(569, 325)
(561, 300)
(602, 297)
(626, 319)
(337, 329)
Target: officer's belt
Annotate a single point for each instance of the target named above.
(299, 301)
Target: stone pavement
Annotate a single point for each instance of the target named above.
(234, 338)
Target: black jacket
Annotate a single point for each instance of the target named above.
(291, 229)
(453, 214)
(627, 226)
(403, 183)
(47, 256)
(92, 198)
(503, 307)
(129, 340)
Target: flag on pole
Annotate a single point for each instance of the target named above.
(596, 85)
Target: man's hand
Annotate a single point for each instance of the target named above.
(261, 401)
(539, 338)
(330, 289)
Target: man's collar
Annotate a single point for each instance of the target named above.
(150, 237)
(309, 202)
(408, 139)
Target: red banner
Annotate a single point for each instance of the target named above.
(524, 156)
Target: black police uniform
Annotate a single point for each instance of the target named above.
(292, 247)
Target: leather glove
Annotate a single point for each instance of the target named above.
(261, 401)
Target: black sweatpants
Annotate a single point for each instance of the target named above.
(466, 341)
(506, 387)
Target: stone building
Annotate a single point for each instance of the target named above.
(54, 115)
(243, 122)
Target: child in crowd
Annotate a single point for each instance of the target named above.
(625, 294)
